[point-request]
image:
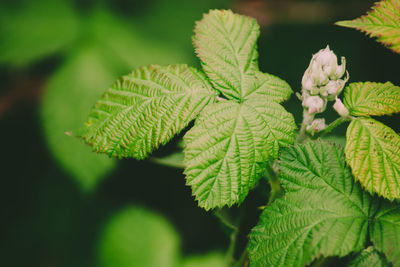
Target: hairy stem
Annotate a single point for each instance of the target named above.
(331, 126)
(307, 120)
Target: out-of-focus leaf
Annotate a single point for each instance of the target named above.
(172, 160)
(128, 47)
(138, 237)
(35, 29)
(208, 260)
(69, 95)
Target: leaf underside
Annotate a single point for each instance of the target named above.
(373, 152)
(323, 213)
(372, 99)
(227, 149)
(145, 109)
(369, 257)
(382, 22)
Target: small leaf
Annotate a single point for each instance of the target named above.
(323, 212)
(226, 44)
(369, 257)
(373, 152)
(372, 99)
(385, 232)
(174, 160)
(145, 109)
(227, 149)
(382, 22)
(138, 237)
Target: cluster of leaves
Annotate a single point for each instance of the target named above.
(240, 124)
(95, 46)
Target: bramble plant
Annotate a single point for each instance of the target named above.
(336, 201)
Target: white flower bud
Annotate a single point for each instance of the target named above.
(340, 108)
(326, 57)
(314, 104)
(316, 126)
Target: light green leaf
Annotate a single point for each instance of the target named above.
(226, 44)
(382, 22)
(385, 232)
(370, 98)
(138, 237)
(227, 149)
(369, 257)
(174, 159)
(36, 29)
(145, 109)
(214, 259)
(373, 152)
(323, 212)
(65, 106)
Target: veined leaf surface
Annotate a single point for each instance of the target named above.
(227, 149)
(382, 22)
(323, 212)
(372, 99)
(373, 152)
(369, 257)
(145, 109)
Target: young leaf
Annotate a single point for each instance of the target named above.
(369, 257)
(227, 149)
(385, 232)
(145, 109)
(372, 99)
(264, 84)
(382, 22)
(226, 44)
(323, 212)
(138, 237)
(373, 152)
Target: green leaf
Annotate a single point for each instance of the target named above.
(382, 22)
(385, 231)
(369, 257)
(145, 109)
(227, 149)
(323, 212)
(370, 98)
(66, 102)
(174, 159)
(373, 152)
(36, 29)
(138, 237)
(226, 44)
(214, 259)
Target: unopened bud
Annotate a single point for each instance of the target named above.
(316, 126)
(314, 104)
(340, 108)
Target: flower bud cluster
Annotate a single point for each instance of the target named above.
(323, 80)
(316, 126)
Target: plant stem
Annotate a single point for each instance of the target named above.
(307, 120)
(272, 176)
(331, 126)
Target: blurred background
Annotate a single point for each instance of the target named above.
(66, 206)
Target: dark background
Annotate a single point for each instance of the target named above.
(48, 220)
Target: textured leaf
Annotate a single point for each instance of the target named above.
(65, 105)
(323, 212)
(369, 257)
(227, 149)
(373, 152)
(138, 237)
(145, 109)
(385, 232)
(226, 44)
(36, 29)
(270, 86)
(382, 22)
(370, 98)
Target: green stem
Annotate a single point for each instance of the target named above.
(272, 176)
(331, 126)
(307, 120)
